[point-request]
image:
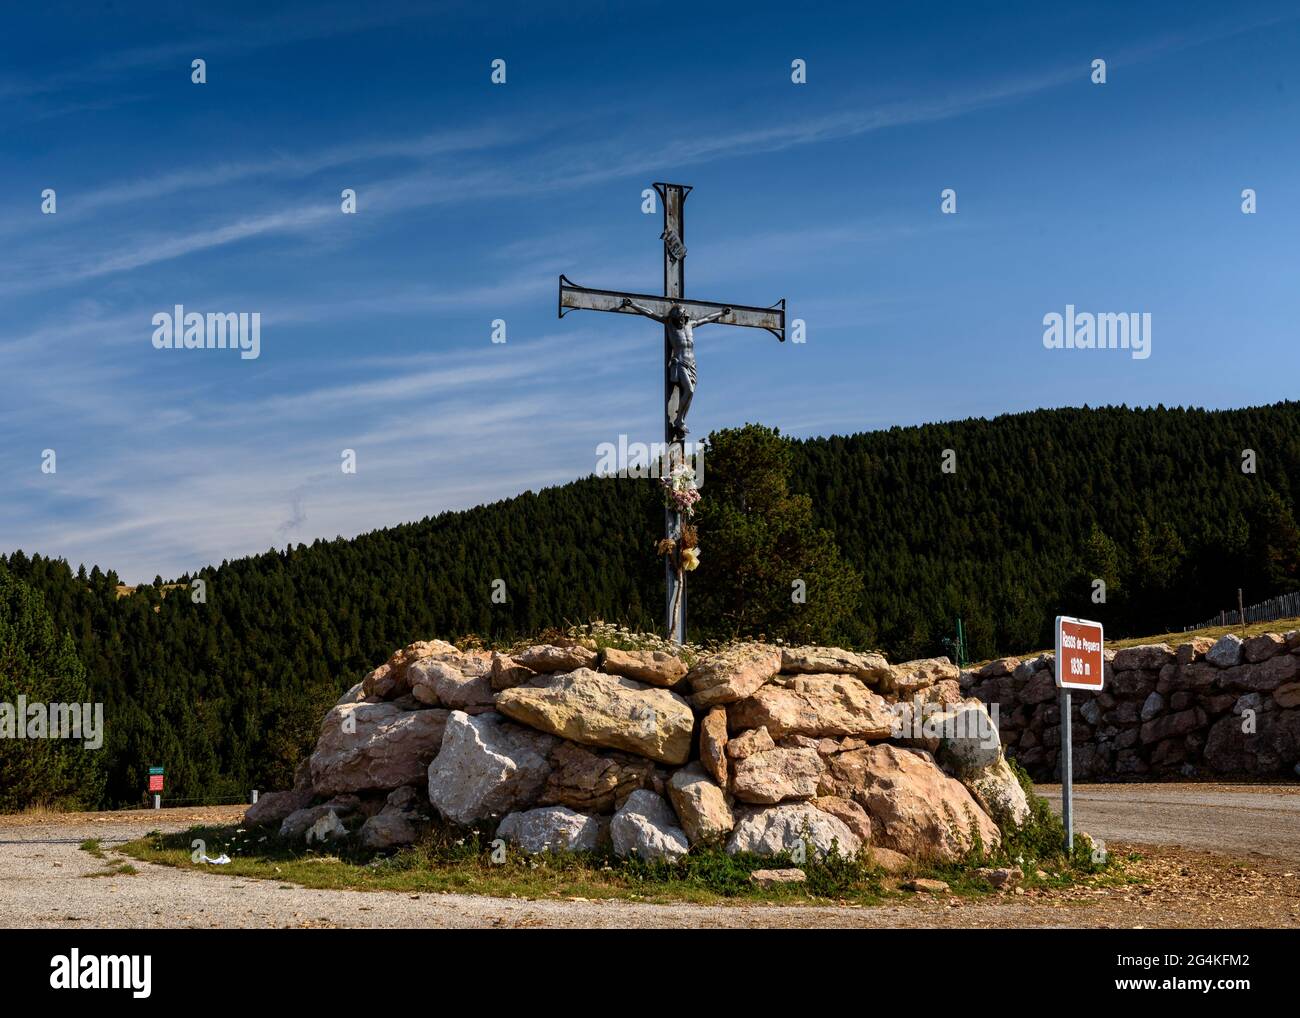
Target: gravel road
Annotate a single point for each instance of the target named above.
(1213, 855)
(1246, 821)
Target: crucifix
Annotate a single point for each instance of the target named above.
(679, 318)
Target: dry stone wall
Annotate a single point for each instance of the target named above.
(1205, 709)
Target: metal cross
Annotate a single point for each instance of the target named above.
(679, 317)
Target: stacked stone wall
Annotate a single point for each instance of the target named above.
(1206, 709)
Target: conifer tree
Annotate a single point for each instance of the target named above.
(41, 666)
(767, 570)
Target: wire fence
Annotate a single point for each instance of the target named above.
(1284, 606)
(169, 803)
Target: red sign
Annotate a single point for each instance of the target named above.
(1079, 663)
(155, 782)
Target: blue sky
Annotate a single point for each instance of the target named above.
(473, 197)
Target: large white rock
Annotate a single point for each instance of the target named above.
(553, 829)
(868, 667)
(701, 805)
(605, 710)
(390, 680)
(327, 828)
(912, 676)
(366, 746)
(593, 780)
(915, 808)
(487, 767)
(713, 743)
(442, 683)
(296, 825)
(968, 741)
(653, 667)
(546, 658)
(818, 706)
(776, 829)
(389, 830)
(775, 775)
(273, 807)
(997, 790)
(507, 673)
(646, 827)
(733, 674)
(397, 824)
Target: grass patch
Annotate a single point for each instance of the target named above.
(451, 860)
(114, 869)
(595, 635)
(461, 862)
(1174, 639)
(600, 635)
(1037, 848)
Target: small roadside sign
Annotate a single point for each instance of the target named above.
(1079, 661)
(1080, 664)
(155, 779)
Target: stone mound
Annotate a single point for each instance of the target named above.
(756, 748)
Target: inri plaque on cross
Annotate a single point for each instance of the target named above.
(679, 317)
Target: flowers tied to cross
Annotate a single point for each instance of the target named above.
(684, 551)
(680, 492)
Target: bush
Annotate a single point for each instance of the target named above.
(1042, 836)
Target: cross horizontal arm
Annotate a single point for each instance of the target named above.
(579, 298)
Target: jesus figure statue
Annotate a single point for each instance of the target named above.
(681, 365)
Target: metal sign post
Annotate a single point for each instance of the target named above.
(1067, 773)
(1080, 664)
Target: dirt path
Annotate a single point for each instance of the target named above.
(43, 880)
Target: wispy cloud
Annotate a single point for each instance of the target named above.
(550, 166)
(376, 326)
(236, 36)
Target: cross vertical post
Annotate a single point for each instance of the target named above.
(679, 318)
(673, 197)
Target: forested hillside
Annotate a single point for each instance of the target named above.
(1155, 502)
(227, 694)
